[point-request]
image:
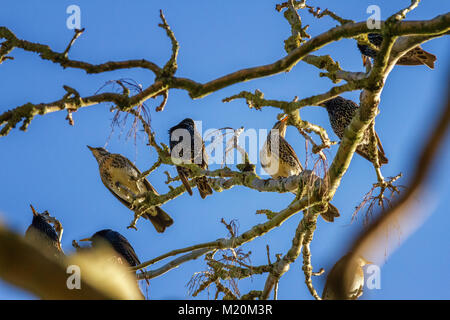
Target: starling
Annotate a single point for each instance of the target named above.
(285, 163)
(413, 57)
(42, 233)
(121, 177)
(341, 112)
(345, 284)
(118, 242)
(186, 128)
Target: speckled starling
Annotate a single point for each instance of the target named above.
(285, 162)
(345, 284)
(118, 242)
(121, 177)
(341, 112)
(186, 130)
(415, 56)
(42, 233)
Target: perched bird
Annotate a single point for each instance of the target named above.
(285, 163)
(118, 242)
(345, 284)
(121, 177)
(341, 112)
(186, 128)
(42, 233)
(415, 56)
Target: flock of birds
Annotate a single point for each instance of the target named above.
(125, 181)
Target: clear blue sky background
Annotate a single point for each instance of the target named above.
(50, 166)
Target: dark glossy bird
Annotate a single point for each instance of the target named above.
(117, 242)
(348, 283)
(120, 245)
(415, 56)
(184, 136)
(283, 161)
(121, 177)
(341, 112)
(43, 234)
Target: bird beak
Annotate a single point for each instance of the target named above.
(365, 60)
(34, 211)
(86, 239)
(90, 148)
(285, 118)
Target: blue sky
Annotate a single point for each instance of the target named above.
(50, 166)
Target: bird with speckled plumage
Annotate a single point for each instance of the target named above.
(43, 234)
(340, 113)
(186, 129)
(415, 56)
(283, 161)
(121, 177)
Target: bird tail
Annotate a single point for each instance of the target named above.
(203, 186)
(184, 180)
(331, 213)
(427, 58)
(362, 151)
(382, 158)
(160, 221)
(418, 56)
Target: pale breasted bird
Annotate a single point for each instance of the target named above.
(285, 162)
(184, 136)
(121, 177)
(43, 234)
(341, 112)
(348, 283)
(415, 56)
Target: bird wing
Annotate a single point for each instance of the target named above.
(292, 152)
(146, 182)
(125, 202)
(417, 56)
(126, 250)
(124, 198)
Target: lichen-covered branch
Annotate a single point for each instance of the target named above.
(438, 25)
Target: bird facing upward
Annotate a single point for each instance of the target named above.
(281, 162)
(118, 242)
(43, 234)
(341, 112)
(285, 163)
(186, 130)
(121, 177)
(415, 56)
